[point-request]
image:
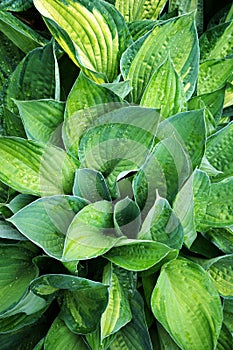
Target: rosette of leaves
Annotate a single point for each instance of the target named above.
(116, 214)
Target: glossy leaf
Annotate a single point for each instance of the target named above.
(91, 185)
(46, 221)
(120, 142)
(166, 342)
(222, 238)
(214, 74)
(60, 337)
(136, 255)
(225, 339)
(175, 307)
(140, 28)
(42, 119)
(19, 33)
(32, 168)
(143, 58)
(165, 91)
(127, 218)
(99, 38)
(221, 271)
(17, 271)
(20, 201)
(34, 78)
(91, 232)
(9, 232)
(118, 312)
(134, 336)
(94, 100)
(16, 5)
(162, 225)
(135, 10)
(201, 191)
(219, 152)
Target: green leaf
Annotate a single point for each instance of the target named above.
(91, 232)
(17, 271)
(201, 191)
(36, 77)
(32, 168)
(20, 201)
(165, 91)
(191, 314)
(53, 216)
(214, 74)
(135, 335)
(94, 100)
(19, 33)
(140, 28)
(219, 211)
(166, 342)
(222, 238)
(16, 5)
(120, 142)
(225, 339)
(185, 6)
(135, 255)
(118, 312)
(60, 337)
(121, 89)
(9, 232)
(99, 39)
(219, 152)
(183, 207)
(216, 43)
(127, 218)
(221, 271)
(143, 58)
(228, 314)
(135, 10)
(91, 185)
(162, 225)
(42, 119)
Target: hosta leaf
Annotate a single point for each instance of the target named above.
(162, 225)
(32, 168)
(127, 218)
(91, 185)
(166, 342)
(60, 337)
(46, 221)
(20, 201)
(22, 35)
(99, 39)
(135, 10)
(219, 211)
(140, 28)
(135, 335)
(94, 100)
(185, 6)
(42, 119)
(214, 74)
(192, 315)
(163, 173)
(228, 314)
(136, 255)
(201, 191)
(17, 271)
(225, 339)
(219, 152)
(222, 238)
(34, 78)
(143, 58)
(91, 232)
(165, 91)
(120, 142)
(16, 5)
(189, 130)
(121, 88)
(118, 312)
(9, 232)
(183, 207)
(217, 42)
(221, 271)
(95, 342)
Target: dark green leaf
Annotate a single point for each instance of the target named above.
(16, 5)
(127, 218)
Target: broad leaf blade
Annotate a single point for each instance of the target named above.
(127, 218)
(16, 5)
(143, 58)
(53, 215)
(32, 168)
(221, 271)
(139, 255)
(99, 38)
(175, 307)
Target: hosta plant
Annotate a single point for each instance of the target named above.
(116, 175)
